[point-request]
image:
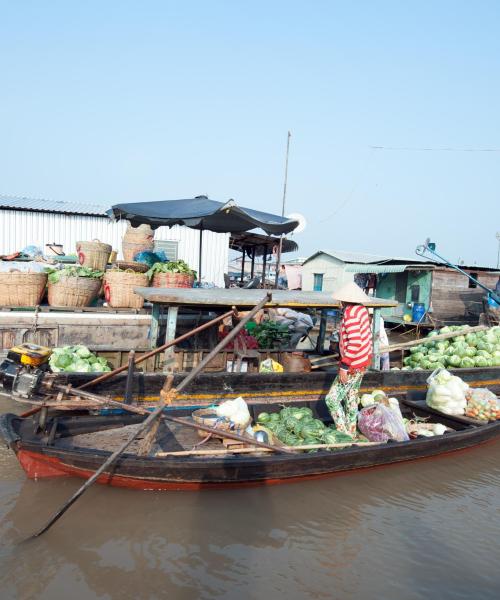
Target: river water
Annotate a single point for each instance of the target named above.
(427, 529)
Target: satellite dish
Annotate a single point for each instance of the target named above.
(301, 219)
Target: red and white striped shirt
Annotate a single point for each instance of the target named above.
(355, 337)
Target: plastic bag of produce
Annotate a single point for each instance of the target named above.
(446, 392)
(270, 366)
(380, 424)
(482, 404)
(236, 411)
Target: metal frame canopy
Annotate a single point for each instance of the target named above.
(202, 213)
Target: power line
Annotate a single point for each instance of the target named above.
(363, 170)
(444, 149)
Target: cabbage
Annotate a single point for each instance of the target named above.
(454, 360)
(480, 361)
(82, 351)
(467, 363)
(76, 359)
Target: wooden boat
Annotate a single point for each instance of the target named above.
(271, 387)
(76, 444)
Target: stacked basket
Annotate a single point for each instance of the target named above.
(119, 288)
(94, 254)
(137, 239)
(22, 289)
(173, 280)
(73, 291)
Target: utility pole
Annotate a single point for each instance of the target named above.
(498, 253)
(280, 247)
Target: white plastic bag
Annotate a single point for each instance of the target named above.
(236, 411)
(446, 392)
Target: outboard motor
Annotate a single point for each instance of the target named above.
(21, 373)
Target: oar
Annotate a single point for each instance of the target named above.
(146, 424)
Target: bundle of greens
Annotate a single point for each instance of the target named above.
(173, 266)
(72, 271)
(76, 359)
(270, 334)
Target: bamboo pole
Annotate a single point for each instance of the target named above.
(149, 421)
(303, 447)
(435, 338)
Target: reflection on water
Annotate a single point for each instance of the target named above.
(408, 531)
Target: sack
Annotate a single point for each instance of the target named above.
(482, 404)
(380, 424)
(270, 366)
(446, 392)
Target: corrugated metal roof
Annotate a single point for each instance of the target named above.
(362, 268)
(57, 206)
(364, 258)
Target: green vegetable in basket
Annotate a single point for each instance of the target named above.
(172, 266)
(72, 271)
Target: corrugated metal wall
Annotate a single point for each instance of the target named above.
(20, 228)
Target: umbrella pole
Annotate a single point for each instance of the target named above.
(264, 261)
(243, 265)
(200, 249)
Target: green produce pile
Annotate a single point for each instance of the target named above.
(76, 359)
(296, 426)
(173, 266)
(270, 334)
(465, 350)
(72, 271)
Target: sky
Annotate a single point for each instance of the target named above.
(123, 101)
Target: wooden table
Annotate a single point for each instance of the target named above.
(221, 300)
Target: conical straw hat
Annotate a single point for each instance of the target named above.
(350, 292)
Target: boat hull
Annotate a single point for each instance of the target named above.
(269, 387)
(40, 460)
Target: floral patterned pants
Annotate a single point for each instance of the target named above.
(342, 402)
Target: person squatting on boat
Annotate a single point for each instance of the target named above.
(355, 344)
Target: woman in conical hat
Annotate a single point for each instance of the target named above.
(355, 356)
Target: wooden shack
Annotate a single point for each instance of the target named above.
(448, 296)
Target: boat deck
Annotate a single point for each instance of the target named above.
(170, 437)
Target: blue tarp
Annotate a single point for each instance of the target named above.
(202, 213)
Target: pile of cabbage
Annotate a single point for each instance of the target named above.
(466, 350)
(296, 426)
(76, 359)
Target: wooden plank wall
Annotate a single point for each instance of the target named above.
(453, 300)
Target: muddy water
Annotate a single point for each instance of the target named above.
(429, 529)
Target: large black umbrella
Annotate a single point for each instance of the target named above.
(202, 213)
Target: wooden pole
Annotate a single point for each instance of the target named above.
(152, 353)
(149, 421)
(130, 377)
(280, 246)
(303, 447)
(435, 338)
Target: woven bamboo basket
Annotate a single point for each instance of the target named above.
(209, 418)
(73, 291)
(130, 265)
(119, 289)
(94, 255)
(22, 289)
(173, 280)
(137, 239)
